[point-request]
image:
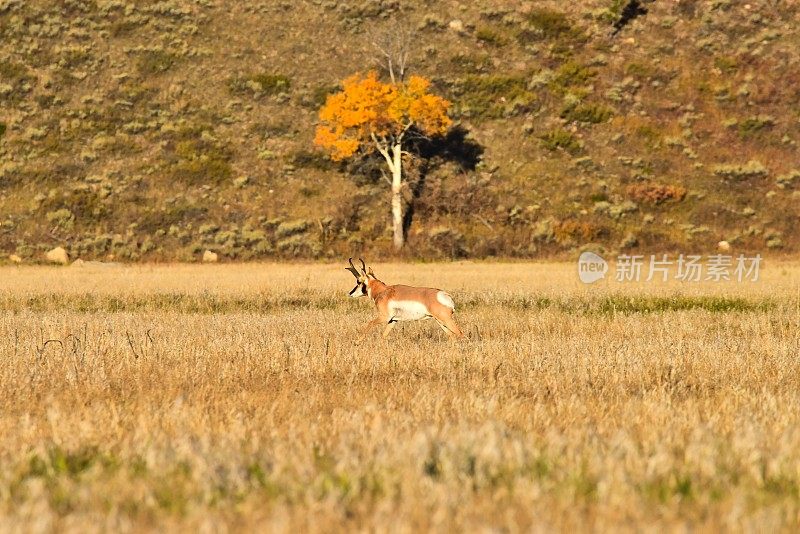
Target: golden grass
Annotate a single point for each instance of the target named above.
(231, 397)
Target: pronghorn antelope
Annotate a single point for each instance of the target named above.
(403, 303)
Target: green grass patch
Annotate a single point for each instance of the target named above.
(549, 24)
(265, 303)
(492, 96)
(84, 204)
(571, 74)
(154, 62)
(491, 36)
(10, 71)
(16, 75)
(317, 97)
(58, 462)
(178, 213)
(613, 11)
(124, 27)
(195, 156)
(649, 134)
(640, 70)
(588, 113)
(264, 83)
(271, 130)
(610, 305)
(470, 64)
(752, 126)
(560, 140)
(312, 159)
(202, 304)
(726, 64)
(627, 305)
(202, 170)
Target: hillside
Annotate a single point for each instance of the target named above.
(156, 130)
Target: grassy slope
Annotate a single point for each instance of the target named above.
(128, 126)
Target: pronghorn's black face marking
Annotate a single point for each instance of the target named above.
(359, 291)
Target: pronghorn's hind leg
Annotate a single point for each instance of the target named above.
(449, 325)
(453, 327)
(446, 330)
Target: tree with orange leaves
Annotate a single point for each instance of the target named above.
(371, 115)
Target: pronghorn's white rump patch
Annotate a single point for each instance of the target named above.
(445, 300)
(407, 310)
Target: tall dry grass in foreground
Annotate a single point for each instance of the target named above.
(231, 397)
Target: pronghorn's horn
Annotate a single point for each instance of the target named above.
(353, 269)
(363, 265)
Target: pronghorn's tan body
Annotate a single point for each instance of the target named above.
(404, 303)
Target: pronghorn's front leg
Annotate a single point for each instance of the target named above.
(388, 329)
(370, 325)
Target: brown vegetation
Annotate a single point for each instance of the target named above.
(232, 398)
(655, 193)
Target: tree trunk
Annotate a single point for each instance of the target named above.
(397, 199)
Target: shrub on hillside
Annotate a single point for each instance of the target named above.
(751, 169)
(155, 62)
(83, 205)
(173, 214)
(560, 139)
(62, 218)
(612, 12)
(589, 113)
(14, 81)
(571, 74)
(312, 159)
(543, 23)
(447, 242)
(726, 64)
(470, 63)
(755, 124)
(788, 180)
(491, 36)
(639, 70)
(199, 167)
(265, 83)
(452, 194)
(316, 97)
(572, 230)
(299, 246)
(195, 156)
(492, 96)
(654, 193)
(291, 228)
(356, 12)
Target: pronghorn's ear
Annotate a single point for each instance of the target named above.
(371, 273)
(353, 269)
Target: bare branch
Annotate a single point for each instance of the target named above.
(416, 134)
(385, 178)
(393, 46)
(403, 133)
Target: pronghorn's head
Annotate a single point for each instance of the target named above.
(362, 278)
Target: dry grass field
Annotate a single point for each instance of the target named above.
(230, 397)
